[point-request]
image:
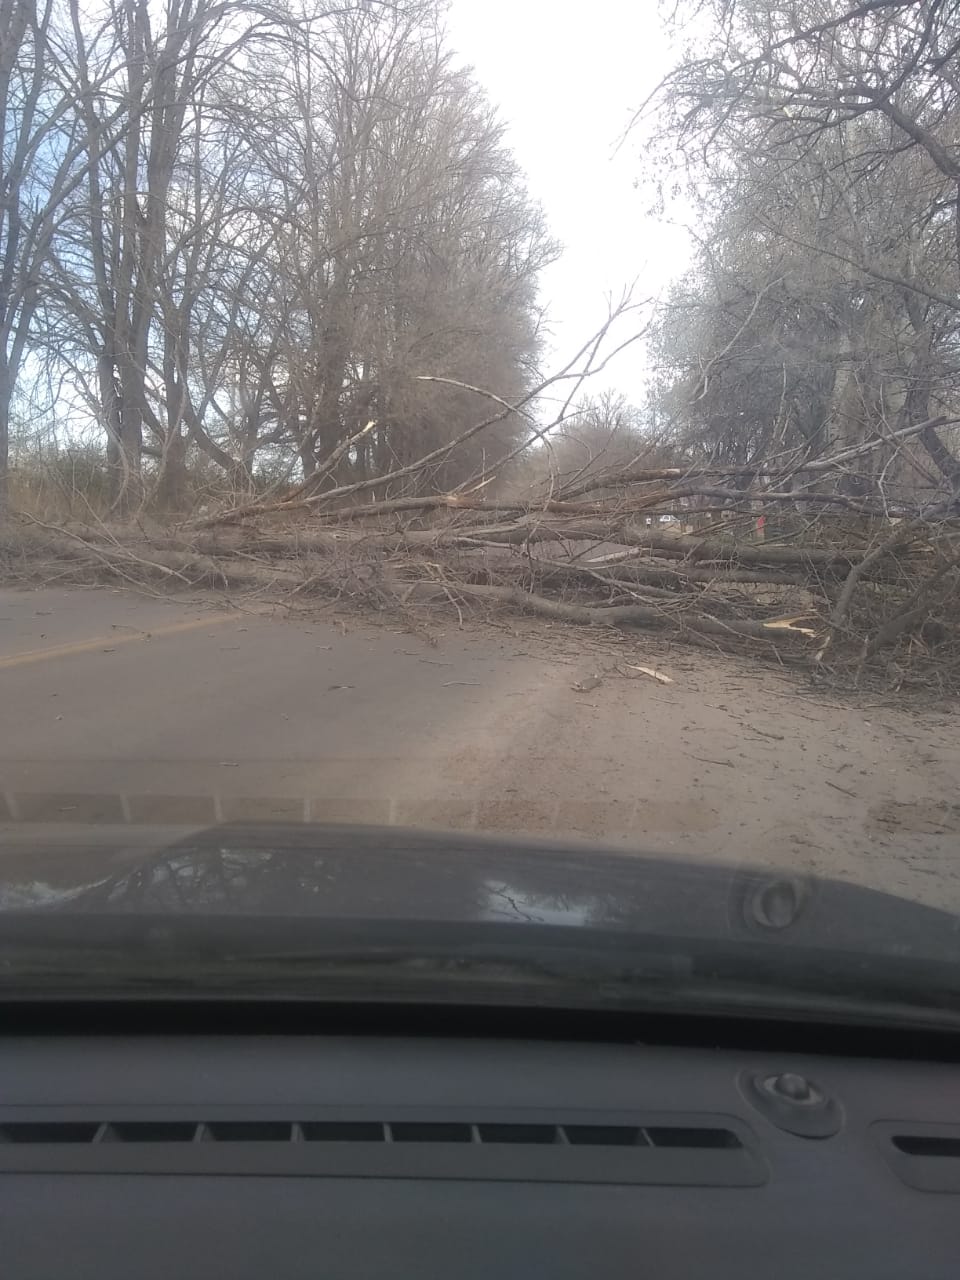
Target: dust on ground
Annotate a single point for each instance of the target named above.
(730, 760)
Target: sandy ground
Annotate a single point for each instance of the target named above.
(127, 720)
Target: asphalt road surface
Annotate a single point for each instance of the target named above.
(128, 720)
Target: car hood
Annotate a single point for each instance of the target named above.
(292, 907)
(391, 874)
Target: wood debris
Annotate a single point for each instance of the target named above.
(650, 671)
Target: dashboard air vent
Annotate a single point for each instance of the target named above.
(925, 1156)
(581, 1148)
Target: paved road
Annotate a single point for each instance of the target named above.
(127, 720)
(119, 708)
(124, 714)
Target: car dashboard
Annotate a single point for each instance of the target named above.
(248, 1155)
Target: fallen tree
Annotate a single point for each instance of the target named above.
(882, 607)
(778, 562)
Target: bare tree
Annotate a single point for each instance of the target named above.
(39, 152)
(410, 246)
(830, 269)
(111, 263)
(261, 226)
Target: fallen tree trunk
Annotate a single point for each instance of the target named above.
(725, 552)
(152, 564)
(607, 615)
(548, 573)
(654, 573)
(456, 502)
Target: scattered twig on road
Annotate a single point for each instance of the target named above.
(843, 790)
(652, 672)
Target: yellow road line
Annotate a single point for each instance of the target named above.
(111, 642)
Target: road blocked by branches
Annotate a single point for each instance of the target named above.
(860, 596)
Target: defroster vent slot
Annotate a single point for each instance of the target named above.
(584, 1147)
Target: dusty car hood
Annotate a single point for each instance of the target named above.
(347, 914)
(392, 874)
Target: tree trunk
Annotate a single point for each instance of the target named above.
(131, 440)
(5, 395)
(308, 459)
(916, 404)
(172, 483)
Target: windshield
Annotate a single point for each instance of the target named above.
(483, 420)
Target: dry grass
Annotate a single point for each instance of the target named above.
(59, 493)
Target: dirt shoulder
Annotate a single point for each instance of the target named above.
(730, 760)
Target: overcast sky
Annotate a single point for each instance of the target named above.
(565, 76)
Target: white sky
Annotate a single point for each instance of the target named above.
(565, 76)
